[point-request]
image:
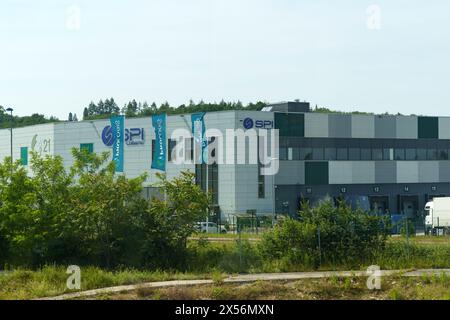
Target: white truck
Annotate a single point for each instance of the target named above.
(438, 215)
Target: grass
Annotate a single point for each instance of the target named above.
(51, 280)
(213, 260)
(392, 288)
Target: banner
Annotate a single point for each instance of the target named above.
(160, 149)
(200, 142)
(118, 129)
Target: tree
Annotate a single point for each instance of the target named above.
(171, 220)
(75, 118)
(70, 118)
(92, 109)
(85, 113)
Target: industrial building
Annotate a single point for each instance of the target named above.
(385, 163)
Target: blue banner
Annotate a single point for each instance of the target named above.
(200, 142)
(160, 149)
(118, 129)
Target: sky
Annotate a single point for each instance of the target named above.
(387, 56)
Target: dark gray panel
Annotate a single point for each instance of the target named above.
(385, 172)
(339, 126)
(385, 127)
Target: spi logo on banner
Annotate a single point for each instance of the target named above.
(132, 136)
(200, 142)
(160, 149)
(117, 129)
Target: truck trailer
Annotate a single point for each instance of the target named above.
(438, 215)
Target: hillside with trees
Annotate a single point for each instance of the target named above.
(17, 121)
(133, 108)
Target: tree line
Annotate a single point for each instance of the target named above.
(16, 121)
(108, 107)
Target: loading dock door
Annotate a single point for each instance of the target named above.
(379, 204)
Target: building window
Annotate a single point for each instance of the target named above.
(89, 147)
(387, 154)
(330, 154)
(189, 152)
(283, 153)
(24, 156)
(261, 187)
(207, 177)
(261, 178)
(443, 154)
(377, 154)
(200, 176)
(354, 154)
(432, 154)
(317, 154)
(306, 154)
(342, 154)
(410, 154)
(421, 154)
(172, 144)
(399, 154)
(213, 182)
(366, 154)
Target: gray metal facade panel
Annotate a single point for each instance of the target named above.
(340, 172)
(428, 171)
(444, 171)
(363, 126)
(407, 171)
(385, 172)
(444, 128)
(385, 127)
(290, 172)
(406, 127)
(363, 172)
(316, 125)
(339, 126)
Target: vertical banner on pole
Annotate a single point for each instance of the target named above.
(160, 149)
(118, 129)
(200, 142)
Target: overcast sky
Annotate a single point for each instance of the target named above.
(337, 54)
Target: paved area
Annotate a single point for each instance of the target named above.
(246, 278)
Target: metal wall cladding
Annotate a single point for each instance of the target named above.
(428, 171)
(407, 171)
(316, 125)
(406, 127)
(363, 126)
(385, 172)
(340, 172)
(444, 171)
(339, 126)
(290, 172)
(385, 127)
(444, 128)
(363, 172)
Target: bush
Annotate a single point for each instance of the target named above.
(89, 215)
(346, 236)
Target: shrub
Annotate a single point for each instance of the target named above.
(327, 234)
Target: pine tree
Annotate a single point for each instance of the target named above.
(70, 116)
(85, 113)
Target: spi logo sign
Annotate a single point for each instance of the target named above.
(250, 123)
(132, 136)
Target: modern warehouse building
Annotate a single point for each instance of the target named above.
(385, 163)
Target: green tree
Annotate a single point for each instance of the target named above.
(171, 219)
